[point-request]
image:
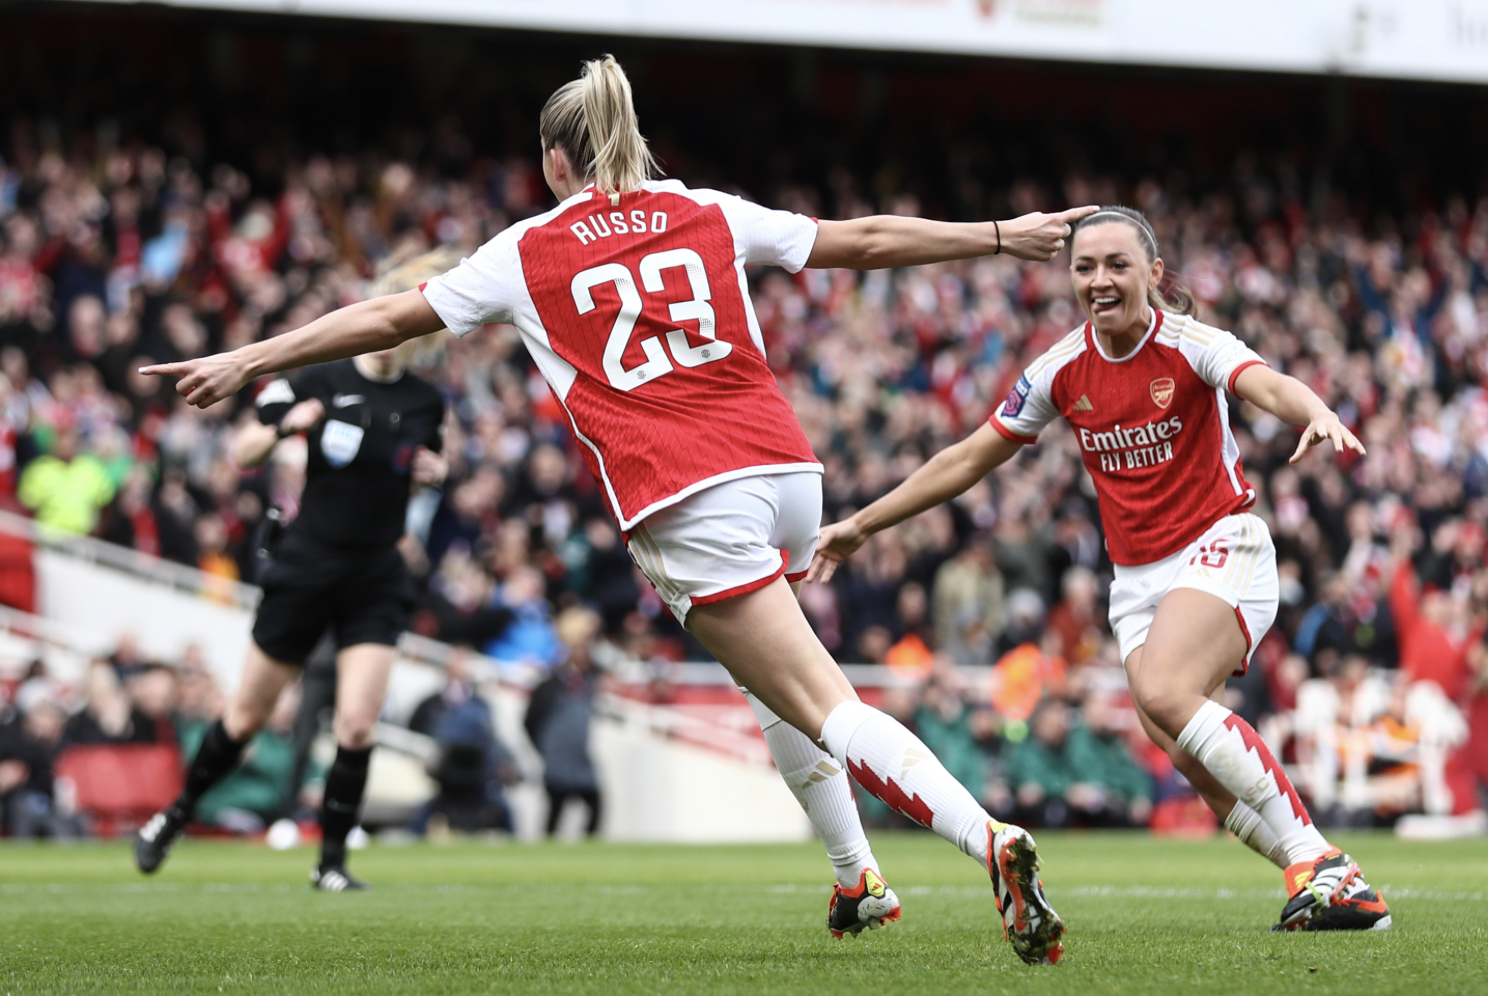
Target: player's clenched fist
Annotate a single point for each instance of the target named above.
(1040, 236)
(205, 380)
(838, 541)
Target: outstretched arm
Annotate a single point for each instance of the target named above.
(1293, 401)
(886, 240)
(380, 323)
(944, 476)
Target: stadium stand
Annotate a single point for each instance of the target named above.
(141, 222)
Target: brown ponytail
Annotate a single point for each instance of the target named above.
(1169, 295)
(593, 120)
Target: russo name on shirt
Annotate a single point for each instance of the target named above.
(602, 226)
(1133, 447)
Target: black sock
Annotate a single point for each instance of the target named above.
(217, 755)
(344, 785)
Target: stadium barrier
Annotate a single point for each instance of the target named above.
(669, 773)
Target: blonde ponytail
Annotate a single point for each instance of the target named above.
(593, 120)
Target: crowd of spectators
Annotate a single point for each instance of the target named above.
(124, 699)
(129, 254)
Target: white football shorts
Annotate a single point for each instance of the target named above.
(1234, 560)
(729, 539)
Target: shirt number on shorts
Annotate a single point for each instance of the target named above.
(1212, 556)
(657, 362)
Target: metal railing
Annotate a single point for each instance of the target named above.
(141, 565)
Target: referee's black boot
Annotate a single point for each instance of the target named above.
(154, 840)
(335, 878)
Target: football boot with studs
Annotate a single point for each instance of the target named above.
(1029, 923)
(870, 904)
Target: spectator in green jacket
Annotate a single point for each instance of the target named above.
(1066, 773)
(1113, 789)
(946, 725)
(66, 489)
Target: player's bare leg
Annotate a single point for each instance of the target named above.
(262, 682)
(861, 898)
(1244, 822)
(361, 684)
(1194, 642)
(767, 645)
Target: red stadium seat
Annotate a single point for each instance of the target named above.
(17, 574)
(120, 786)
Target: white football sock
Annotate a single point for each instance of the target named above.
(1236, 755)
(1247, 824)
(820, 786)
(895, 767)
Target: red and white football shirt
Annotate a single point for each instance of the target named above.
(1153, 428)
(637, 312)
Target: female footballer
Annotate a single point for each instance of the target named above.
(1143, 385)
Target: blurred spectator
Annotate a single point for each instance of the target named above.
(530, 637)
(1435, 626)
(558, 718)
(1031, 670)
(457, 607)
(109, 717)
(154, 692)
(28, 798)
(947, 725)
(911, 657)
(1113, 789)
(1078, 620)
(66, 489)
(1066, 772)
(472, 766)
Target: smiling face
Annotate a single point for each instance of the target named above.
(1112, 275)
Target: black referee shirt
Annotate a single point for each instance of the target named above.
(361, 453)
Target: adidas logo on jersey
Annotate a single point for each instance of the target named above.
(1084, 405)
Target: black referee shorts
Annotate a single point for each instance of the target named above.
(363, 596)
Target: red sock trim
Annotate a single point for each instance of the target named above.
(1253, 741)
(888, 792)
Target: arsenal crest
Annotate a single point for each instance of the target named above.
(1162, 391)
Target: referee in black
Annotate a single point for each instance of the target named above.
(375, 432)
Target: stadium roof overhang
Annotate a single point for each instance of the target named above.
(1443, 40)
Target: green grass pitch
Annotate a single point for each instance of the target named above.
(1145, 916)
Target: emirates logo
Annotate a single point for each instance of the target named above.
(1162, 391)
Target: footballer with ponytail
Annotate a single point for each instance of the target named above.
(592, 121)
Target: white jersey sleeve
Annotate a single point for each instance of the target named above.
(483, 289)
(1030, 404)
(769, 238)
(1216, 356)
